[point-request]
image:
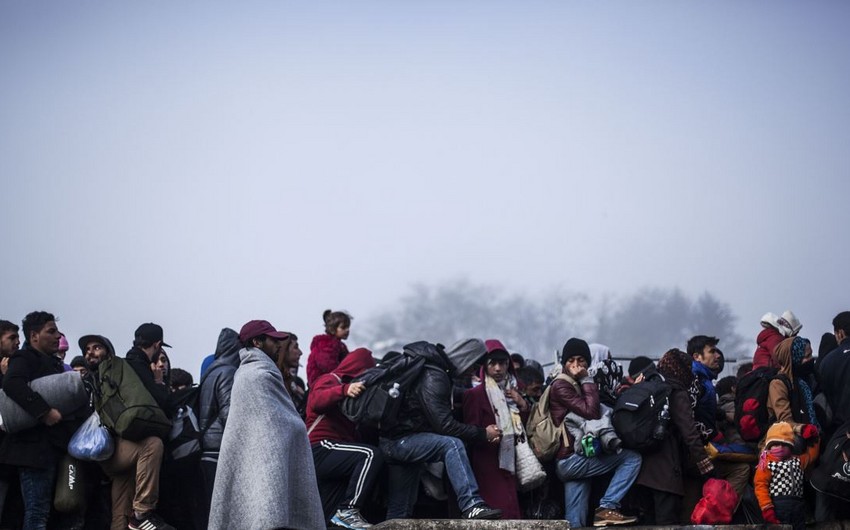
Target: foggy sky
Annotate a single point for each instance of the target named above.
(200, 164)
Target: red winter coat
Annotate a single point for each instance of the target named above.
(767, 341)
(326, 352)
(496, 486)
(326, 395)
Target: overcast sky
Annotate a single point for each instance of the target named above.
(200, 164)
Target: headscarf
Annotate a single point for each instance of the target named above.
(598, 354)
(675, 365)
(798, 353)
(789, 355)
(606, 373)
(504, 408)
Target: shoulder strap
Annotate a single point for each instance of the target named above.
(315, 422)
(321, 416)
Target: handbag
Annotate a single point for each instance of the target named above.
(92, 441)
(529, 471)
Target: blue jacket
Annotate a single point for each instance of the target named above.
(705, 413)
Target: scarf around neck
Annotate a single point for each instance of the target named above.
(507, 419)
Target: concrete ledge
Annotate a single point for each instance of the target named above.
(458, 524)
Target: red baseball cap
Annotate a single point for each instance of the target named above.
(255, 328)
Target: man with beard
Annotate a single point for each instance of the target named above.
(265, 476)
(135, 465)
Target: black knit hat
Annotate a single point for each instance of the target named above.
(575, 347)
(638, 365)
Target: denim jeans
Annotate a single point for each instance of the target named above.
(576, 469)
(421, 448)
(37, 492)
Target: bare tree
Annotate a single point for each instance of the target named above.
(649, 322)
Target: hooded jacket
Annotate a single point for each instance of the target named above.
(786, 470)
(463, 355)
(326, 352)
(785, 401)
(767, 341)
(328, 392)
(496, 486)
(216, 384)
(428, 406)
(92, 378)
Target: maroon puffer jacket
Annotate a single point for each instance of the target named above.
(565, 398)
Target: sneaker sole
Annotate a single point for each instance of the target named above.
(609, 522)
(338, 522)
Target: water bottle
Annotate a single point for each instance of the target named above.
(660, 430)
(395, 391)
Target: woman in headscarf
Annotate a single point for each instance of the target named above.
(497, 401)
(789, 397)
(662, 472)
(606, 372)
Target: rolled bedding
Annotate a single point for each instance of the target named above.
(64, 392)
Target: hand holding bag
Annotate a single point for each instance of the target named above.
(92, 441)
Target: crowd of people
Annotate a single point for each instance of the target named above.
(252, 446)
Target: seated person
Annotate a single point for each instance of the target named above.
(574, 391)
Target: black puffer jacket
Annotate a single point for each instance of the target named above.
(428, 406)
(216, 384)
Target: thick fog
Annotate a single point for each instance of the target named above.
(200, 164)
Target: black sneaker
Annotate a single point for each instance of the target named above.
(482, 511)
(151, 521)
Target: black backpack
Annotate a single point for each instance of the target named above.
(386, 386)
(184, 440)
(832, 476)
(751, 415)
(641, 414)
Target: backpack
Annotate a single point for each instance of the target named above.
(641, 414)
(751, 416)
(125, 405)
(184, 440)
(543, 436)
(832, 476)
(379, 403)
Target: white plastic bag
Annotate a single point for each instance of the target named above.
(529, 471)
(92, 441)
